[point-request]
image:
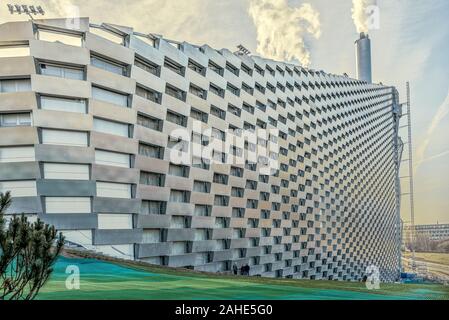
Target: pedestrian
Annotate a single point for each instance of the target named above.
(234, 269)
(242, 270)
(247, 270)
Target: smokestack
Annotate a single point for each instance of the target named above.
(363, 58)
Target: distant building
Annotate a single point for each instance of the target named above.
(433, 231)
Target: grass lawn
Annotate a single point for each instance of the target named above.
(128, 280)
(441, 258)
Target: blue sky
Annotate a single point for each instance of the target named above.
(412, 44)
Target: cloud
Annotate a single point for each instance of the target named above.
(362, 15)
(281, 29)
(441, 113)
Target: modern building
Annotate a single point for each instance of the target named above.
(91, 117)
(435, 232)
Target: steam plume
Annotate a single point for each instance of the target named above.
(281, 29)
(360, 14)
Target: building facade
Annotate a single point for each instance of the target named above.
(434, 232)
(94, 120)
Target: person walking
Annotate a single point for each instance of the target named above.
(234, 269)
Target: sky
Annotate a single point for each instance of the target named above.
(409, 43)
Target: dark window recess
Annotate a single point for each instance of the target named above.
(196, 67)
(173, 66)
(150, 122)
(175, 92)
(197, 91)
(149, 94)
(216, 68)
(148, 66)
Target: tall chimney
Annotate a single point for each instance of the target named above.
(363, 58)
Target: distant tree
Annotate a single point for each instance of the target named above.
(27, 254)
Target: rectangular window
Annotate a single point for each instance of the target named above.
(107, 34)
(215, 67)
(60, 71)
(196, 67)
(180, 196)
(56, 205)
(15, 85)
(108, 65)
(17, 154)
(110, 96)
(14, 51)
(221, 201)
(234, 110)
(151, 151)
(152, 179)
(114, 190)
(201, 186)
(115, 221)
(216, 90)
(109, 158)
(232, 69)
(233, 89)
(148, 66)
(247, 88)
(202, 210)
(197, 91)
(150, 122)
(248, 108)
(149, 94)
(15, 119)
(153, 207)
(215, 111)
(199, 115)
(25, 188)
(63, 104)
(247, 69)
(61, 37)
(177, 118)
(66, 171)
(178, 170)
(111, 127)
(65, 138)
(175, 92)
(220, 178)
(173, 66)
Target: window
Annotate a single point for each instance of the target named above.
(233, 89)
(177, 118)
(16, 154)
(108, 65)
(60, 71)
(65, 138)
(202, 210)
(61, 37)
(15, 119)
(151, 151)
(196, 67)
(215, 67)
(153, 207)
(197, 91)
(15, 85)
(221, 201)
(115, 221)
(109, 158)
(258, 69)
(201, 186)
(63, 104)
(114, 190)
(199, 115)
(66, 171)
(152, 179)
(220, 178)
(237, 192)
(251, 204)
(148, 66)
(111, 127)
(234, 110)
(246, 69)
(56, 205)
(248, 108)
(173, 66)
(200, 163)
(216, 90)
(238, 212)
(14, 51)
(175, 92)
(215, 111)
(180, 196)
(251, 184)
(110, 96)
(247, 88)
(107, 34)
(218, 134)
(149, 94)
(178, 170)
(24, 188)
(237, 172)
(150, 122)
(234, 70)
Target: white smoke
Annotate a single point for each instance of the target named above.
(364, 18)
(281, 29)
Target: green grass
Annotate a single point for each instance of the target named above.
(128, 280)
